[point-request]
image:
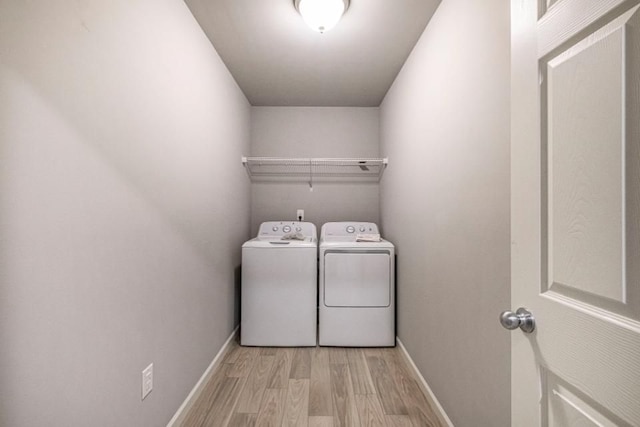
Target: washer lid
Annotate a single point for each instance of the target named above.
(260, 242)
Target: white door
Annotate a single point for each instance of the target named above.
(576, 212)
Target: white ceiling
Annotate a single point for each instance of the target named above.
(277, 60)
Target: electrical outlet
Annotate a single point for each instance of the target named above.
(147, 380)
(300, 215)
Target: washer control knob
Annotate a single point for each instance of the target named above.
(286, 229)
(298, 229)
(274, 228)
(351, 229)
(362, 229)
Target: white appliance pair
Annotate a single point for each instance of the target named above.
(355, 294)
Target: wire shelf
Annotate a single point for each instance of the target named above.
(314, 169)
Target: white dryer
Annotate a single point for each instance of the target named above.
(357, 286)
(279, 286)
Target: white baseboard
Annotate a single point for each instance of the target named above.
(433, 401)
(180, 415)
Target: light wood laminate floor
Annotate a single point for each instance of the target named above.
(314, 387)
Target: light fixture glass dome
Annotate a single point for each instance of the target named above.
(321, 15)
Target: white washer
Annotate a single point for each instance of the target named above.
(279, 286)
(357, 287)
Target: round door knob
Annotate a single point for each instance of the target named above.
(522, 319)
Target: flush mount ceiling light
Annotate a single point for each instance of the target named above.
(321, 15)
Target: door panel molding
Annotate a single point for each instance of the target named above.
(564, 405)
(571, 18)
(589, 235)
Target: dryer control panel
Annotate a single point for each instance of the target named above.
(277, 229)
(347, 231)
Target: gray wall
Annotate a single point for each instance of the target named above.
(445, 204)
(314, 132)
(122, 209)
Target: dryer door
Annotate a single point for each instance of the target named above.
(357, 279)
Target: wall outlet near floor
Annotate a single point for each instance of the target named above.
(300, 215)
(147, 380)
